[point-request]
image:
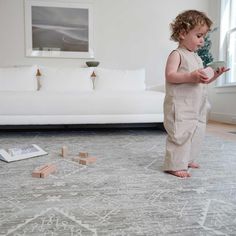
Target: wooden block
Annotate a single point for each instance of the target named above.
(87, 161)
(44, 171)
(83, 154)
(48, 170)
(37, 172)
(64, 151)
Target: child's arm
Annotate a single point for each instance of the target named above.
(173, 76)
(217, 73)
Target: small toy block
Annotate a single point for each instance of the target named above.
(37, 172)
(44, 171)
(47, 171)
(87, 161)
(83, 154)
(64, 151)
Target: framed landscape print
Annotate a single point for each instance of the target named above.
(58, 29)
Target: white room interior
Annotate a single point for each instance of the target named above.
(83, 149)
(128, 34)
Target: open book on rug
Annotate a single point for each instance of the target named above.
(20, 153)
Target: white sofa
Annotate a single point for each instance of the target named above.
(69, 96)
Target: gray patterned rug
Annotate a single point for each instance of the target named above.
(123, 193)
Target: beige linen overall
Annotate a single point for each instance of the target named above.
(185, 111)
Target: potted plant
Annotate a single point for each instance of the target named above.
(204, 52)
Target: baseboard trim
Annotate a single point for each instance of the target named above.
(222, 117)
(158, 126)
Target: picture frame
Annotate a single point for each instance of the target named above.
(21, 153)
(58, 29)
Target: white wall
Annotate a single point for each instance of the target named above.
(127, 34)
(222, 99)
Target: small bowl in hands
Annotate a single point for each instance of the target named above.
(92, 63)
(217, 64)
(209, 72)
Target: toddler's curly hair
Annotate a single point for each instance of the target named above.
(187, 21)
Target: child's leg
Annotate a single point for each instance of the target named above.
(177, 155)
(180, 123)
(197, 139)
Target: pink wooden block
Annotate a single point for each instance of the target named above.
(83, 154)
(87, 161)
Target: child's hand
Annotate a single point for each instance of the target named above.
(220, 71)
(198, 76)
(217, 73)
(209, 72)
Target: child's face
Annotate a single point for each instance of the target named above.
(194, 39)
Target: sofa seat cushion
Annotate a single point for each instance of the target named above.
(82, 103)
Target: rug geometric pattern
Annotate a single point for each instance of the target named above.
(124, 193)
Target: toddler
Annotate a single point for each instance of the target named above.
(185, 105)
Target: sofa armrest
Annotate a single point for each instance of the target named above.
(157, 87)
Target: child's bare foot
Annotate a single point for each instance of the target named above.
(193, 165)
(179, 173)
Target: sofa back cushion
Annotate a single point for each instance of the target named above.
(65, 79)
(22, 78)
(119, 80)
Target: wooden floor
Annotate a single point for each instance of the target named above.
(222, 130)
